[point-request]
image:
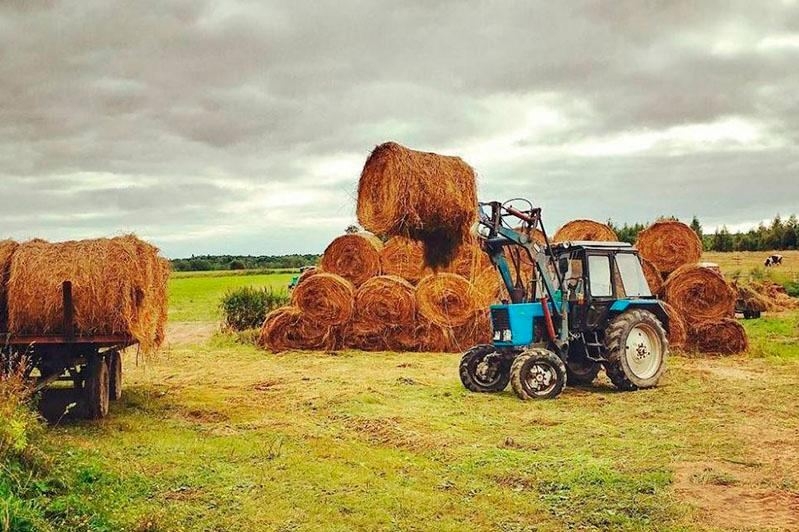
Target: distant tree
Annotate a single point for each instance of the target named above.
(237, 265)
(352, 228)
(697, 227)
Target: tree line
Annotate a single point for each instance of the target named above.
(243, 262)
(779, 234)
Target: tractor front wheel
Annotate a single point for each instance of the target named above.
(538, 374)
(636, 350)
(483, 370)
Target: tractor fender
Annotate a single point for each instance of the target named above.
(652, 305)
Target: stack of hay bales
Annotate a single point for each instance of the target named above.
(119, 287)
(414, 282)
(700, 302)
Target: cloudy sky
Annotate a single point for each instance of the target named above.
(242, 127)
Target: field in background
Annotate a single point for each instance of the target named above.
(749, 265)
(218, 435)
(196, 297)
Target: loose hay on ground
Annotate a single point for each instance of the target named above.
(669, 244)
(355, 256)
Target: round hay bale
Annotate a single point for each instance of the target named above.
(423, 195)
(476, 332)
(699, 294)
(326, 298)
(307, 273)
(118, 287)
(653, 277)
(404, 257)
(355, 256)
(585, 230)
(446, 299)
(433, 338)
(487, 287)
(365, 335)
(288, 328)
(725, 337)
(469, 260)
(669, 244)
(678, 332)
(7, 249)
(387, 300)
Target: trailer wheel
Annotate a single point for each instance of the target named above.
(96, 388)
(115, 375)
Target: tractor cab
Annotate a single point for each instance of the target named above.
(584, 306)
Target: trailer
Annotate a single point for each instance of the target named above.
(92, 363)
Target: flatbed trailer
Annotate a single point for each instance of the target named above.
(92, 363)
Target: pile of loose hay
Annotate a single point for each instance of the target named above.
(585, 230)
(426, 196)
(289, 328)
(725, 336)
(326, 299)
(446, 299)
(119, 287)
(699, 294)
(653, 277)
(355, 256)
(404, 257)
(7, 249)
(669, 244)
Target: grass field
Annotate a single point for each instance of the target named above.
(748, 265)
(217, 435)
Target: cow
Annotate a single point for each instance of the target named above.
(773, 260)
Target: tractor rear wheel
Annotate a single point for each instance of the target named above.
(538, 374)
(636, 350)
(483, 370)
(582, 372)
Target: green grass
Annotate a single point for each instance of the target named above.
(218, 435)
(748, 265)
(196, 298)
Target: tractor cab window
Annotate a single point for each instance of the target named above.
(632, 275)
(600, 274)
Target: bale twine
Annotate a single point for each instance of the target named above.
(585, 230)
(7, 249)
(325, 298)
(669, 244)
(404, 257)
(699, 294)
(725, 337)
(418, 194)
(678, 333)
(446, 299)
(387, 300)
(288, 328)
(119, 287)
(653, 277)
(355, 256)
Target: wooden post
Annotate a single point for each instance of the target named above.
(69, 311)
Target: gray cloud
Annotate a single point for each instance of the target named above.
(236, 126)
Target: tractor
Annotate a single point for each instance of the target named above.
(579, 307)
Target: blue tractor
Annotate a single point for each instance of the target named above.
(585, 306)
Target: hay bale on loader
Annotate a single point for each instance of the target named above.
(325, 298)
(119, 288)
(426, 196)
(446, 299)
(699, 295)
(289, 328)
(585, 230)
(725, 336)
(404, 257)
(7, 249)
(669, 244)
(355, 256)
